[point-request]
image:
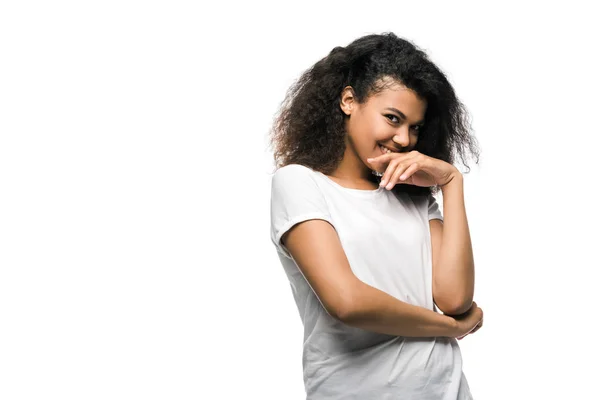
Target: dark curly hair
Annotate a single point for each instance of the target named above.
(309, 128)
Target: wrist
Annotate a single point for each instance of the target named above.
(452, 327)
(455, 179)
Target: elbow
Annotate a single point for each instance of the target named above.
(453, 304)
(461, 308)
(339, 313)
(342, 311)
(453, 301)
(345, 308)
(456, 308)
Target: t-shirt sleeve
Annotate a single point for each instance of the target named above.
(295, 197)
(433, 208)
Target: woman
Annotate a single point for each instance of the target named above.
(363, 141)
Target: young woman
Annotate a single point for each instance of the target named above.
(364, 139)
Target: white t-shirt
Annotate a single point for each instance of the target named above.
(387, 242)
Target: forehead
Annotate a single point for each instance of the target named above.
(398, 96)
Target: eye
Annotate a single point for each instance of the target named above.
(393, 116)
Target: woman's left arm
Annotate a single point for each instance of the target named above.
(452, 258)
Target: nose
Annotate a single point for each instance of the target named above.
(402, 137)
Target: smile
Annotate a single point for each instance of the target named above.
(385, 150)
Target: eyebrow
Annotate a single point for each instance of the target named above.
(421, 122)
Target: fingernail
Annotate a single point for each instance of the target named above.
(382, 183)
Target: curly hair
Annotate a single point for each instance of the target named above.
(309, 128)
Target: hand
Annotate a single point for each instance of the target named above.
(479, 325)
(412, 168)
(468, 322)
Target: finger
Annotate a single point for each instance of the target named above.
(473, 331)
(384, 160)
(396, 175)
(391, 167)
(409, 171)
(476, 327)
(377, 164)
(381, 159)
(462, 337)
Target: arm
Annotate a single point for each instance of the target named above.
(317, 250)
(452, 258)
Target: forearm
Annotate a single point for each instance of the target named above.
(454, 272)
(374, 310)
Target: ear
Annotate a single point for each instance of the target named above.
(347, 100)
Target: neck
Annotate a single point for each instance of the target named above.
(351, 168)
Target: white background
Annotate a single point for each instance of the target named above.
(135, 255)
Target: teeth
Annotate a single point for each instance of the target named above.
(384, 149)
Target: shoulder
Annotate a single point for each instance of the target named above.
(292, 173)
(293, 169)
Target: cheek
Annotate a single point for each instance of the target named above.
(360, 130)
(368, 131)
(371, 129)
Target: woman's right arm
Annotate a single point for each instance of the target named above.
(317, 250)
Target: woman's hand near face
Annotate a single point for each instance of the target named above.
(412, 168)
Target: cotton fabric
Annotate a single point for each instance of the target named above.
(387, 241)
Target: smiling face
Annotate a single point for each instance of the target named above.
(391, 118)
